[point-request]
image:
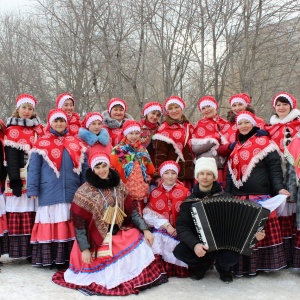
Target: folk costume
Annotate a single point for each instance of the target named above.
(206, 137)
(131, 266)
(282, 131)
(161, 211)
(134, 165)
(19, 138)
(113, 126)
(148, 129)
(95, 142)
(57, 168)
(254, 173)
(3, 219)
(172, 142)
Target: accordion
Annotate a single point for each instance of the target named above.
(228, 223)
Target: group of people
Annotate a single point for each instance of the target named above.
(107, 199)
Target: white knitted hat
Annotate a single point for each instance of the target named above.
(206, 164)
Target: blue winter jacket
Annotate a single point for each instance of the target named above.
(42, 180)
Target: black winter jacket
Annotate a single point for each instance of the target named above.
(185, 227)
(266, 177)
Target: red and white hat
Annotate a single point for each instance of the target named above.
(292, 100)
(174, 100)
(55, 114)
(152, 106)
(207, 101)
(245, 115)
(91, 117)
(116, 101)
(25, 98)
(60, 100)
(130, 126)
(97, 158)
(240, 98)
(168, 165)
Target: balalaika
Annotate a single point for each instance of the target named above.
(228, 223)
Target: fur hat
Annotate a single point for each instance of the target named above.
(168, 165)
(292, 100)
(55, 114)
(240, 98)
(62, 98)
(97, 158)
(206, 164)
(90, 117)
(245, 115)
(151, 106)
(25, 98)
(207, 101)
(116, 101)
(131, 125)
(174, 100)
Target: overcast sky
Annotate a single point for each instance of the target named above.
(14, 5)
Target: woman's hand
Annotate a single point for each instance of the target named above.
(171, 230)
(284, 192)
(86, 256)
(148, 237)
(260, 235)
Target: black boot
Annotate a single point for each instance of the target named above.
(225, 276)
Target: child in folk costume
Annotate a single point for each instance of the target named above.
(206, 138)
(66, 102)
(125, 263)
(150, 122)
(94, 134)
(284, 126)
(161, 213)
(3, 219)
(114, 118)
(172, 140)
(132, 161)
(254, 173)
(57, 168)
(22, 130)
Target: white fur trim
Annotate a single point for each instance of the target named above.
(284, 96)
(245, 117)
(238, 100)
(114, 103)
(174, 101)
(167, 167)
(167, 140)
(131, 128)
(57, 115)
(262, 154)
(207, 103)
(63, 99)
(151, 108)
(25, 100)
(294, 113)
(99, 159)
(92, 119)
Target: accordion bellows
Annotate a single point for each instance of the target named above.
(228, 223)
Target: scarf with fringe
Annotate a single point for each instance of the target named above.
(21, 133)
(51, 147)
(148, 129)
(128, 152)
(245, 156)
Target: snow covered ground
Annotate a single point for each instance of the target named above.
(19, 280)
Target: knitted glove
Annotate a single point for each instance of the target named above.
(16, 186)
(232, 145)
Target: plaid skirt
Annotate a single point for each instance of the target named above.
(45, 254)
(268, 254)
(4, 244)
